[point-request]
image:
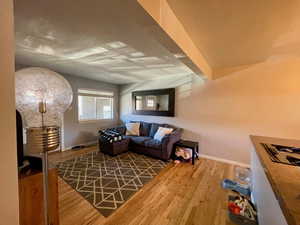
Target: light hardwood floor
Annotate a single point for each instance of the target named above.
(180, 194)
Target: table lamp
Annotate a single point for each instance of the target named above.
(42, 96)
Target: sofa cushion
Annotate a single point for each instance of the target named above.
(127, 137)
(145, 129)
(154, 128)
(139, 140)
(153, 144)
(169, 126)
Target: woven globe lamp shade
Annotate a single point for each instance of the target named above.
(35, 85)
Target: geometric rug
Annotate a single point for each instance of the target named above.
(108, 182)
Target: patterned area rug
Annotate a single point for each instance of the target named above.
(108, 182)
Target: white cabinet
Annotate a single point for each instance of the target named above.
(269, 211)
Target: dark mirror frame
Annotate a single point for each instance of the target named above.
(170, 92)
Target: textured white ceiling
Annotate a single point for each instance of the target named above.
(107, 40)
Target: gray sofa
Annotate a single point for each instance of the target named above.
(145, 144)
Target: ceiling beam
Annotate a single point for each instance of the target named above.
(165, 17)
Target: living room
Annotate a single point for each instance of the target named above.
(124, 155)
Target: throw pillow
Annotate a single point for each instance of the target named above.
(133, 129)
(161, 132)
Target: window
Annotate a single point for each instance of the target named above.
(138, 102)
(95, 105)
(150, 103)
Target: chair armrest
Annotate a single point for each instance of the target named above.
(168, 141)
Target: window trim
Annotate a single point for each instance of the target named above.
(112, 97)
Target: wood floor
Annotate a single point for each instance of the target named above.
(180, 194)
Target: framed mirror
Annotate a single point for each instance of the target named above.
(160, 102)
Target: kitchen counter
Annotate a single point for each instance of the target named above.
(284, 179)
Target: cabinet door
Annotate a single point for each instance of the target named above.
(269, 211)
(31, 199)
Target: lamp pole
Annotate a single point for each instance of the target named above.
(43, 110)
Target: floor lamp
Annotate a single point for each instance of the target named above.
(42, 96)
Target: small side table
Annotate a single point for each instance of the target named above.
(189, 144)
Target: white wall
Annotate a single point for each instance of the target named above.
(9, 205)
(75, 132)
(262, 99)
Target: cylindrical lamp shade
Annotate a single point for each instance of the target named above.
(42, 139)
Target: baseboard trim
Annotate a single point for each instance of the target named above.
(85, 144)
(224, 160)
(200, 155)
